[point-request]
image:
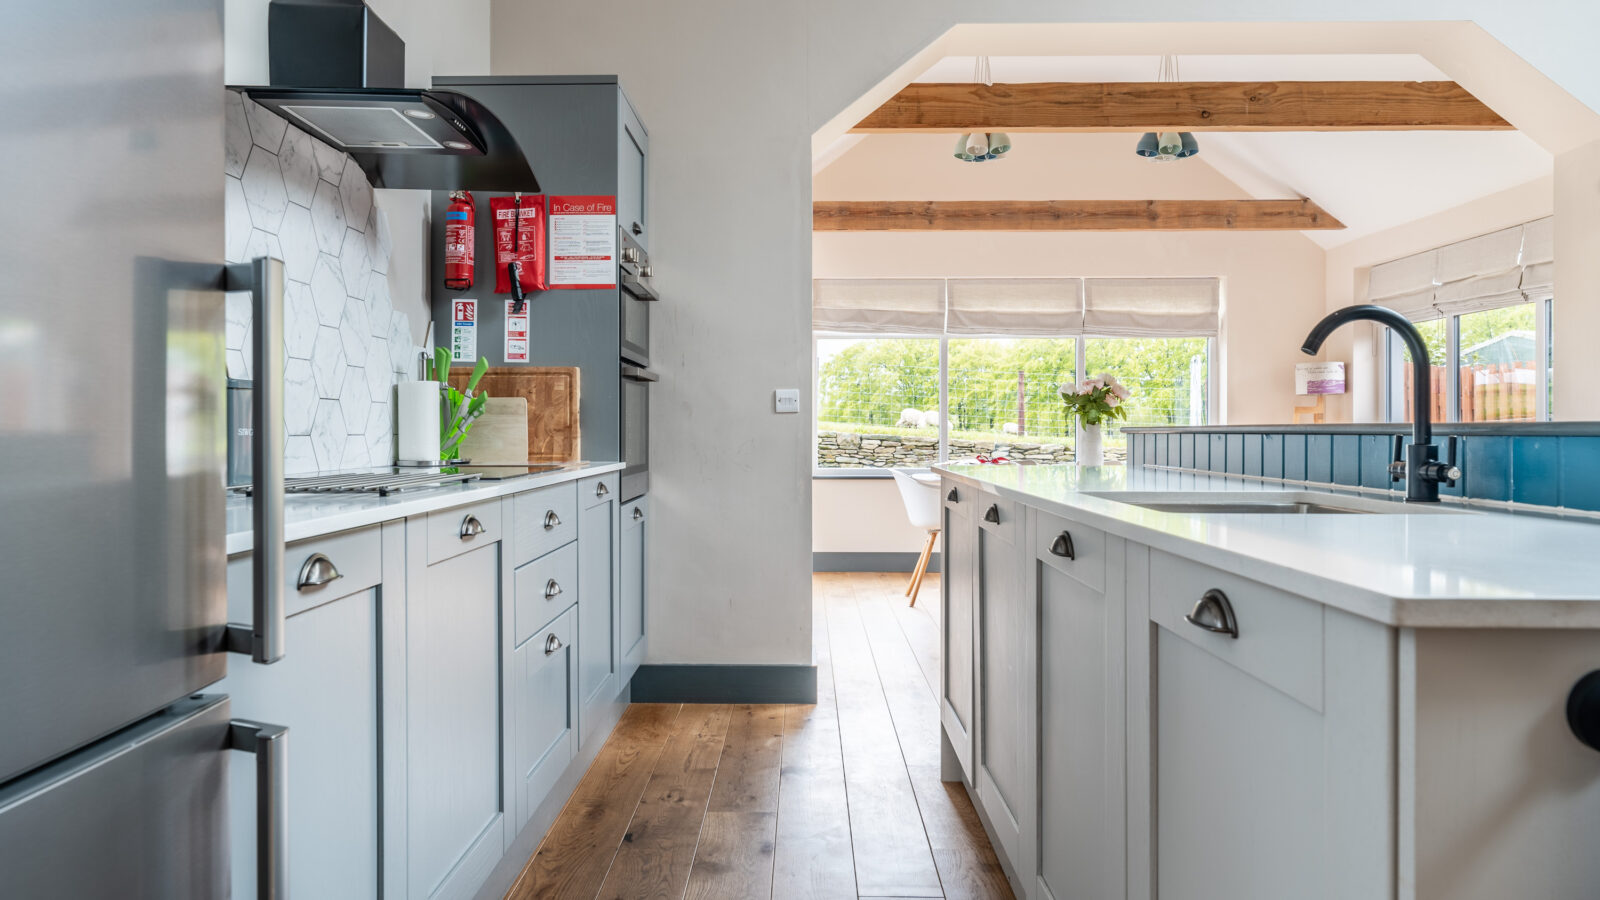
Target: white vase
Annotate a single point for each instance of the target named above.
(1090, 451)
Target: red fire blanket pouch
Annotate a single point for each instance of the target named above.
(519, 237)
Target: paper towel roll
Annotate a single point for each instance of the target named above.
(418, 408)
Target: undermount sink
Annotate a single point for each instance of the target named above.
(1278, 503)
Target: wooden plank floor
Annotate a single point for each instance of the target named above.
(832, 801)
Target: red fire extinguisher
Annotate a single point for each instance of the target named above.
(459, 236)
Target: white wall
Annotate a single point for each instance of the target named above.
(861, 515)
(443, 37)
(732, 92)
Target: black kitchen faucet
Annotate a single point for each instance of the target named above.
(1419, 465)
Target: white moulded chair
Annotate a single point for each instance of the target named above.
(921, 497)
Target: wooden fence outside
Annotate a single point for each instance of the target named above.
(1500, 392)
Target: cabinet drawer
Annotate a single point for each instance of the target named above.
(357, 557)
(597, 489)
(1280, 634)
(544, 588)
(546, 712)
(995, 515)
(1075, 550)
(543, 520)
(459, 529)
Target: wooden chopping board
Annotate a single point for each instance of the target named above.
(552, 395)
(500, 436)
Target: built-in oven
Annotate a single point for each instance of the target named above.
(636, 381)
(633, 276)
(637, 296)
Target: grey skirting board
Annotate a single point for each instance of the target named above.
(709, 683)
(876, 561)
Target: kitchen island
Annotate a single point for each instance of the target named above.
(1160, 683)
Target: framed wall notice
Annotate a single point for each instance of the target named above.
(1319, 378)
(583, 242)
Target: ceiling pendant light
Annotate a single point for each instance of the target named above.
(980, 146)
(1167, 146)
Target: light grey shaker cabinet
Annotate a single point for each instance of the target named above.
(633, 544)
(1078, 615)
(1269, 753)
(1005, 665)
(633, 153)
(958, 561)
(456, 637)
(599, 663)
(328, 691)
(545, 717)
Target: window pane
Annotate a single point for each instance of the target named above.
(1166, 376)
(1499, 365)
(1400, 371)
(874, 396)
(1003, 392)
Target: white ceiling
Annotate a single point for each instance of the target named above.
(1371, 180)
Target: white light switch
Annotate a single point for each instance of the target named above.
(786, 400)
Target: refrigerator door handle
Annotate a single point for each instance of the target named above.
(263, 637)
(270, 744)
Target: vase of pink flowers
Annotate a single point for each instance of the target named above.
(1092, 403)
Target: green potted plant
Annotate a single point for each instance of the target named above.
(1094, 402)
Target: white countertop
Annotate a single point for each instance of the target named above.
(1438, 569)
(311, 515)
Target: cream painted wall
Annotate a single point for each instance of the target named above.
(861, 515)
(732, 92)
(1348, 264)
(1577, 313)
(443, 37)
(1272, 281)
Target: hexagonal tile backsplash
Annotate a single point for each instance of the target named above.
(292, 196)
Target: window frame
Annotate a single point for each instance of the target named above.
(1394, 400)
(1213, 387)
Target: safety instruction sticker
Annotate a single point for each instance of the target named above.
(516, 332)
(583, 242)
(464, 331)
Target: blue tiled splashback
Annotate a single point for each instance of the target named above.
(1543, 469)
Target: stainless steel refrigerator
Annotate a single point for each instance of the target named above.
(113, 758)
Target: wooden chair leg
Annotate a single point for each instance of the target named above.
(922, 566)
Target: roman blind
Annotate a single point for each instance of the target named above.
(878, 305)
(1480, 273)
(1021, 306)
(1498, 269)
(1138, 307)
(1035, 307)
(1539, 258)
(1406, 285)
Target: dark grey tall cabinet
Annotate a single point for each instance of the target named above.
(581, 136)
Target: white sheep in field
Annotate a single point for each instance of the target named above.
(1011, 428)
(911, 418)
(931, 418)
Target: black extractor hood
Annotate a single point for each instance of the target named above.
(338, 73)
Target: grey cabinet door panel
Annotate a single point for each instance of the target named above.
(326, 693)
(453, 720)
(634, 546)
(1002, 629)
(1080, 847)
(958, 656)
(598, 659)
(546, 711)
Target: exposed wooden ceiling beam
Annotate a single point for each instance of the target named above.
(1185, 106)
(1070, 215)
